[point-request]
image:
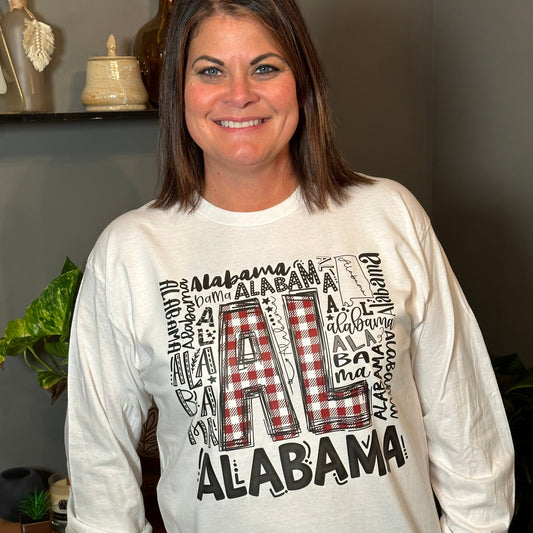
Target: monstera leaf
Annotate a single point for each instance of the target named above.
(42, 336)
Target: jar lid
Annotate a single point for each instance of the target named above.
(111, 52)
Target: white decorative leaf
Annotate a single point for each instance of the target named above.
(38, 43)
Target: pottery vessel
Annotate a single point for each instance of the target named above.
(114, 82)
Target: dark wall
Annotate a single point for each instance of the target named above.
(483, 161)
(434, 94)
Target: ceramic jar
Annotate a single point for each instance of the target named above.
(114, 82)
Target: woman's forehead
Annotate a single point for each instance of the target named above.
(217, 29)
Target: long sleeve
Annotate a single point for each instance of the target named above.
(470, 447)
(168, 297)
(106, 407)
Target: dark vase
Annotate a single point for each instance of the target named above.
(15, 484)
(149, 48)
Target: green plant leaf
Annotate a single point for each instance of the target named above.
(15, 346)
(525, 382)
(43, 334)
(17, 328)
(16, 339)
(50, 314)
(68, 266)
(48, 379)
(508, 365)
(35, 505)
(58, 348)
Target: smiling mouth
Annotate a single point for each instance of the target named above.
(238, 125)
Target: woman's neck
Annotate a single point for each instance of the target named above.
(249, 190)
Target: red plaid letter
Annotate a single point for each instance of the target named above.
(250, 369)
(326, 409)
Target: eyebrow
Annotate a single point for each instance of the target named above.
(208, 58)
(254, 61)
(260, 58)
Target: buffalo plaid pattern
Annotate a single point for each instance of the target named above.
(326, 409)
(246, 377)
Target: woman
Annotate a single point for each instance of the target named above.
(314, 361)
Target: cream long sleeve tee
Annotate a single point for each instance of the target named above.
(313, 372)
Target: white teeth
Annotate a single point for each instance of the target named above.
(247, 124)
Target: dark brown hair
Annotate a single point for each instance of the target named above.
(322, 173)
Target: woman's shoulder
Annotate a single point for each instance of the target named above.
(385, 191)
(386, 198)
(386, 188)
(128, 223)
(130, 231)
(145, 219)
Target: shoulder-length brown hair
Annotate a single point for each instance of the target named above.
(321, 171)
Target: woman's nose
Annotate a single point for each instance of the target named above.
(240, 92)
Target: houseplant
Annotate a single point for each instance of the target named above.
(42, 338)
(42, 335)
(516, 386)
(34, 516)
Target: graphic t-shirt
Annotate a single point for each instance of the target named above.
(313, 372)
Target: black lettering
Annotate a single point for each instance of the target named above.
(231, 491)
(208, 481)
(263, 472)
(328, 460)
(294, 465)
(357, 456)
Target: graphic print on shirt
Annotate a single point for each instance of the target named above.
(306, 349)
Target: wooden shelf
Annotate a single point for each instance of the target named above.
(81, 116)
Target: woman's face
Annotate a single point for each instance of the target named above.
(241, 106)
